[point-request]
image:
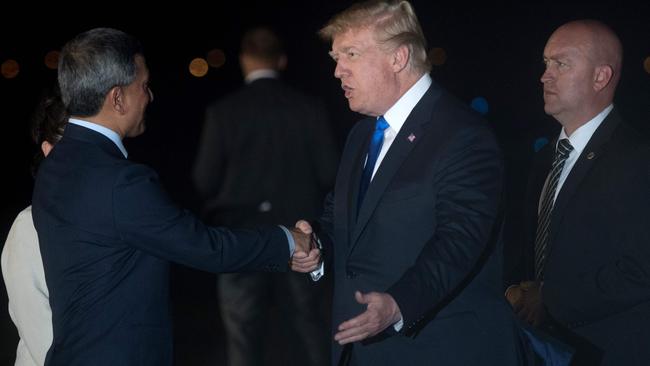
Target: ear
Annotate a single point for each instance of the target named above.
(602, 76)
(400, 58)
(117, 100)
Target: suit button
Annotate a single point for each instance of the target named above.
(350, 274)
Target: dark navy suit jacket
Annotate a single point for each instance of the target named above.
(422, 234)
(107, 232)
(597, 272)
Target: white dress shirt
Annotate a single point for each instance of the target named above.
(110, 134)
(261, 74)
(579, 140)
(398, 113)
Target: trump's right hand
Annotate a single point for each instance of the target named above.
(306, 256)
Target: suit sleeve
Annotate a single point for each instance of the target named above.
(146, 218)
(469, 183)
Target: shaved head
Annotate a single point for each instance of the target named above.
(583, 67)
(598, 42)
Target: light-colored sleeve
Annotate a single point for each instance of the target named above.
(29, 307)
(292, 243)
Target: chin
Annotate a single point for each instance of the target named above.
(548, 109)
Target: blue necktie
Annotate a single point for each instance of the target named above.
(373, 154)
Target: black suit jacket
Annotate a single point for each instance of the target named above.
(597, 272)
(107, 232)
(420, 235)
(266, 156)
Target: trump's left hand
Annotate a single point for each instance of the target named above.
(382, 311)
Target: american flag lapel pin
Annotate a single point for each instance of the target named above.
(411, 137)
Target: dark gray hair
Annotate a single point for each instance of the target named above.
(91, 64)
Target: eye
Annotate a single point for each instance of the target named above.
(352, 54)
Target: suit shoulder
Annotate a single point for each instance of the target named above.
(460, 112)
(631, 136)
(133, 172)
(458, 122)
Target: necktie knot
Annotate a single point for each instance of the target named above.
(564, 148)
(381, 124)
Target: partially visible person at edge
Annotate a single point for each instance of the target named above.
(584, 274)
(22, 266)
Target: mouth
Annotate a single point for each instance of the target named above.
(347, 90)
(548, 93)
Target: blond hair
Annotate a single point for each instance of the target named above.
(394, 23)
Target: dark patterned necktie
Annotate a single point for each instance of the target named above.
(564, 148)
(373, 154)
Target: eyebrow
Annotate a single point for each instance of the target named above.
(557, 56)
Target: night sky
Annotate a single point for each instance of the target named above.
(493, 51)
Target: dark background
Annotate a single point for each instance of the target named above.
(493, 51)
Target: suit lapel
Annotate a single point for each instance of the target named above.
(595, 148)
(350, 170)
(408, 137)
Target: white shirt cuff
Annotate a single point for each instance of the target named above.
(398, 326)
(318, 272)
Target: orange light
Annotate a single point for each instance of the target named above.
(216, 58)
(52, 60)
(199, 67)
(10, 69)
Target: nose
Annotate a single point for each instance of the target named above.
(547, 75)
(340, 70)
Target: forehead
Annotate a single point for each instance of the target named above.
(564, 43)
(141, 67)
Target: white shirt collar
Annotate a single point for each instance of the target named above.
(399, 112)
(580, 137)
(110, 134)
(259, 74)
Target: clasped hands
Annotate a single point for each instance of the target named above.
(381, 309)
(306, 256)
(526, 301)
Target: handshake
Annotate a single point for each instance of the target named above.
(307, 255)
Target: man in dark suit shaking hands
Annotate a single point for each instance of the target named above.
(586, 273)
(107, 230)
(414, 205)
